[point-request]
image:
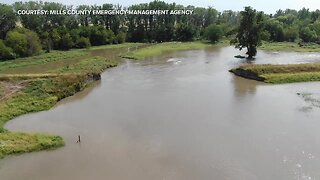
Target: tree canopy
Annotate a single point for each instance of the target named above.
(249, 31)
(63, 32)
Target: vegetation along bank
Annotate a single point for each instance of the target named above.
(278, 74)
(38, 83)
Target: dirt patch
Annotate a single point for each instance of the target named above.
(9, 88)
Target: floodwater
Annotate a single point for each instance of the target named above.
(181, 116)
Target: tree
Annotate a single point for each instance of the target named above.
(23, 42)
(291, 34)
(34, 44)
(33, 22)
(184, 32)
(101, 36)
(66, 42)
(7, 19)
(83, 43)
(6, 53)
(308, 35)
(213, 33)
(121, 37)
(275, 29)
(18, 42)
(249, 31)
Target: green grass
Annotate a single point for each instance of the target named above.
(292, 77)
(17, 143)
(41, 59)
(90, 65)
(289, 46)
(278, 74)
(116, 46)
(2, 93)
(158, 49)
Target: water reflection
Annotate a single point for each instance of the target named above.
(244, 87)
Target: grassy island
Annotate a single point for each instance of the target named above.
(278, 74)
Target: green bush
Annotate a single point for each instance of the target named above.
(3, 130)
(18, 42)
(213, 33)
(34, 43)
(184, 32)
(23, 42)
(100, 36)
(83, 43)
(121, 37)
(5, 52)
(308, 35)
(66, 42)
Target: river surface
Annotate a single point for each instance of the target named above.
(181, 116)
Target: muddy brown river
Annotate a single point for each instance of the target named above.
(181, 116)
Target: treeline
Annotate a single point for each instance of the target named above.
(27, 35)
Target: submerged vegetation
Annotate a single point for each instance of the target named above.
(279, 73)
(161, 48)
(158, 49)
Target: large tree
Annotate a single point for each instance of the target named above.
(7, 19)
(249, 31)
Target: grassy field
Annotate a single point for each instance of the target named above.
(32, 92)
(278, 74)
(89, 65)
(117, 46)
(289, 46)
(16, 143)
(2, 92)
(41, 59)
(158, 49)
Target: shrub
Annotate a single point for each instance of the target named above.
(83, 43)
(121, 37)
(308, 35)
(5, 52)
(18, 42)
(34, 43)
(23, 42)
(66, 42)
(184, 32)
(213, 33)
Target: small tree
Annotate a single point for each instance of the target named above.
(249, 31)
(184, 32)
(66, 42)
(18, 42)
(308, 35)
(83, 43)
(6, 53)
(7, 19)
(213, 33)
(121, 37)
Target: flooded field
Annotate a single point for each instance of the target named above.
(179, 116)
